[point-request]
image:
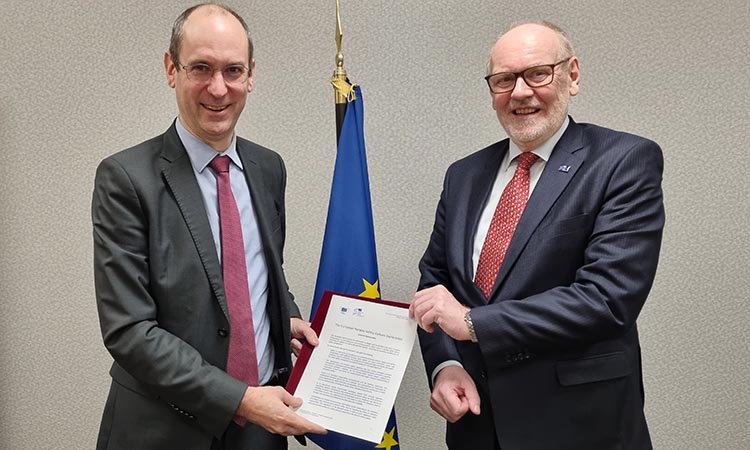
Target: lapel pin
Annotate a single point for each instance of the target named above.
(564, 168)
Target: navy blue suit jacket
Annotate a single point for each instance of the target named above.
(558, 359)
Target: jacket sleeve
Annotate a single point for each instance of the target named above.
(437, 347)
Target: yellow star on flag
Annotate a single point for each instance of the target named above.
(388, 440)
(371, 290)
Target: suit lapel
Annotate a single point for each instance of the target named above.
(481, 187)
(263, 205)
(265, 208)
(254, 178)
(562, 166)
(178, 173)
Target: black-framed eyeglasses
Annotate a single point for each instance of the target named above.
(203, 73)
(534, 77)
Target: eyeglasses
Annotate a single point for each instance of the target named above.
(534, 77)
(203, 73)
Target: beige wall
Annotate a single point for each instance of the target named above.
(83, 79)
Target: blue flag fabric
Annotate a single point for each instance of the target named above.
(348, 262)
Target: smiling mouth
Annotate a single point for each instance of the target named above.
(524, 111)
(215, 108)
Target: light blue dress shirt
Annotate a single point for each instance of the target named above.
(201, 155)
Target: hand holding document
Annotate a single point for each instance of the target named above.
(349, 382)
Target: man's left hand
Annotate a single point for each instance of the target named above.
(301, 331)
(436, 305)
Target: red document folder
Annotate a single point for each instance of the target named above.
(317, 325)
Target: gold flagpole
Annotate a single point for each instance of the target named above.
(343, 90)
(339, 74)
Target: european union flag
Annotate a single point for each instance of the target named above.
(348, 262)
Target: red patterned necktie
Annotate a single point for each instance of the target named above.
(504, 221)
(242, 362)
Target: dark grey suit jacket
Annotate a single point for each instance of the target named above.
(558, 360)
(160, 294)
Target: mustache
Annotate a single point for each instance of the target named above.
(518, 105)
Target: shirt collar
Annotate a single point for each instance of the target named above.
(200, 153)
(545, 150)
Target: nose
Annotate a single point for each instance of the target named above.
(521, 89)
(216, 85)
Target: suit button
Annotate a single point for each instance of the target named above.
(484, 374)
(223, 332)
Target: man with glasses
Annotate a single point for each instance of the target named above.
(188, 243)
(544, 249)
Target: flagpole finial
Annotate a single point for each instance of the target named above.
(339, 75)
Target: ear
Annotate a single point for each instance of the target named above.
(574, 72)
(170, 69)
(250, 77)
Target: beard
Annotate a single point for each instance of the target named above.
(538, 129)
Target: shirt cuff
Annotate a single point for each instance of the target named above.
(441, 366)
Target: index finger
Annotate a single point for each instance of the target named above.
(313, 427)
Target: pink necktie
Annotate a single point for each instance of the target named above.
(242, 362)
(504, 221)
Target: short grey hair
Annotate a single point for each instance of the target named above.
(178, 32)
(566, 48)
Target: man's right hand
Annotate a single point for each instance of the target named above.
(454, 394)
(269, 407)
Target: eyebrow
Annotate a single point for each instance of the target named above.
(525, 68)
(202, 58)
(202, 61)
